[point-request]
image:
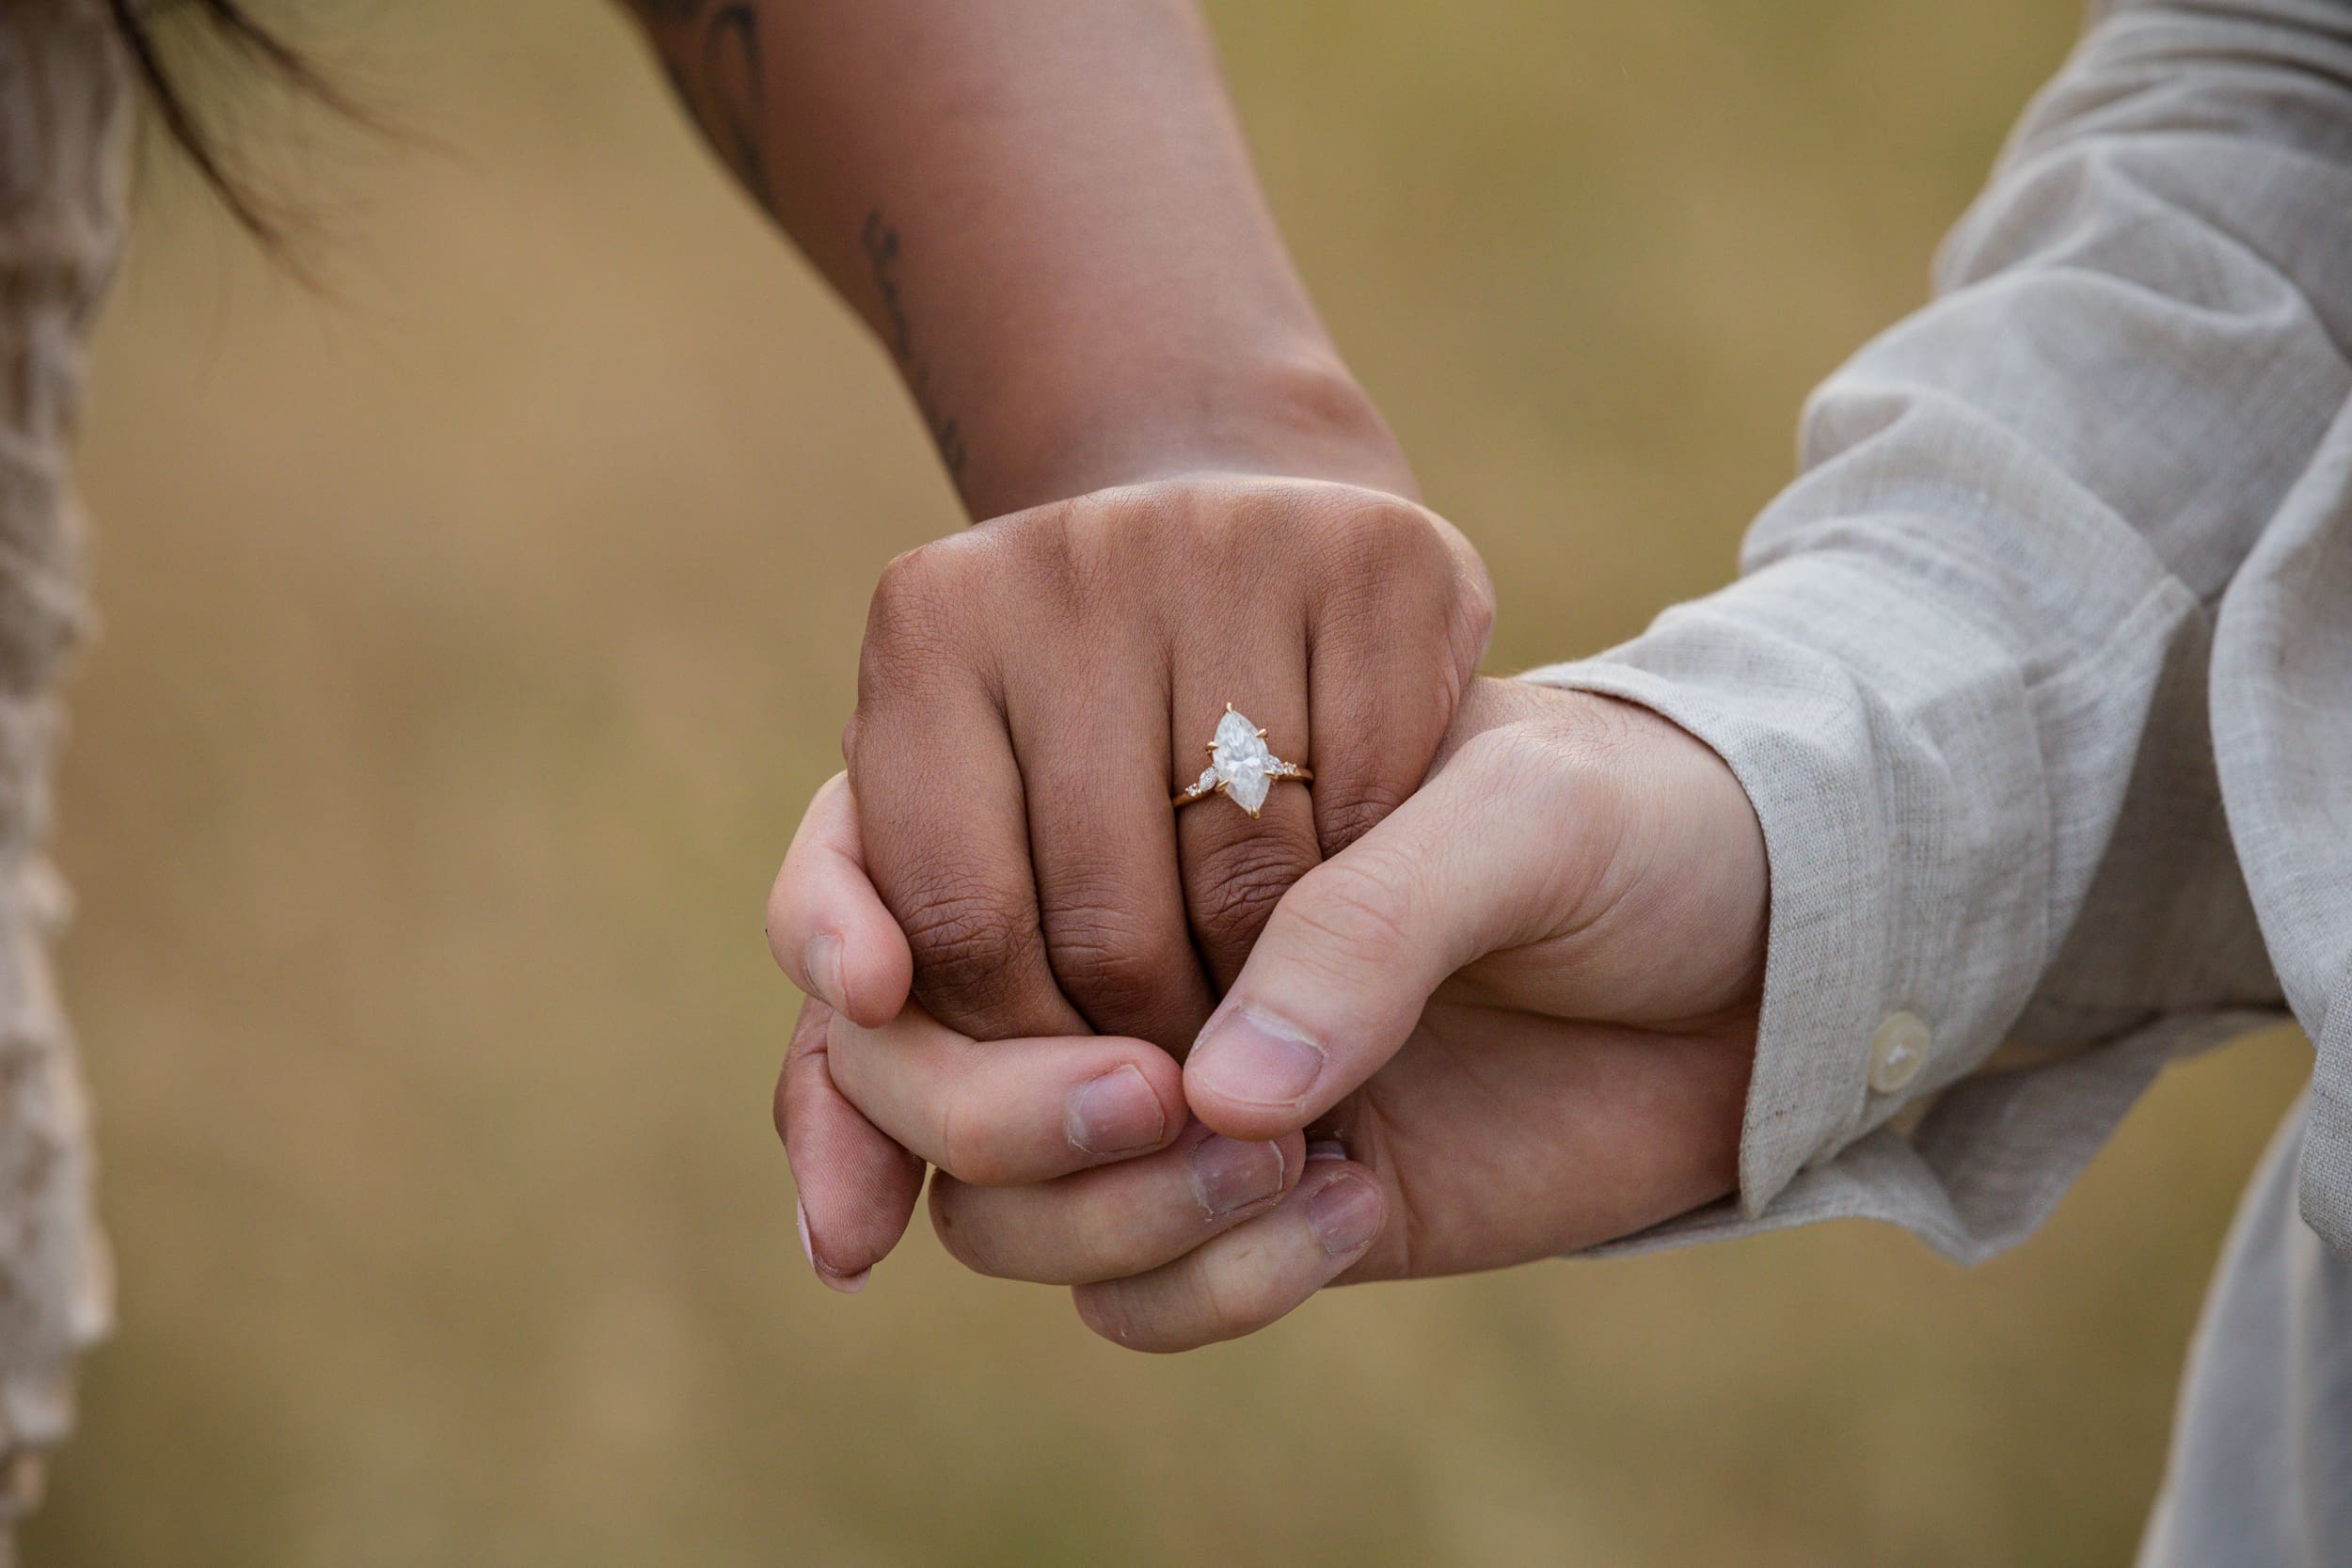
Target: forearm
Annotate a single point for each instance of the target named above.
(1047, 215)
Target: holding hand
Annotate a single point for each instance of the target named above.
(1517, 1014)
(1033, 691)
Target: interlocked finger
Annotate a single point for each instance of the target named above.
(1252, 1274)
(1007, 1111)
(1123, 1219)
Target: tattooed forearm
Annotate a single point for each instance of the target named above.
(711, 51)
(711, 55)
(880, 243)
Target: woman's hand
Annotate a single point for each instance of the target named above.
(1033, 691)
(1516, 1015)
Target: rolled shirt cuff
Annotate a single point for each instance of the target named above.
(1905, 822)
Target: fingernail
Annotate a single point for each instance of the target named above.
(1325, 1148)
(1249, 1057)
(848, 1283)
(1227, 1174)
(1115, 1114)
(1344, 1215)
(822, 959)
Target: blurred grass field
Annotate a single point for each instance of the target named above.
(473, 636)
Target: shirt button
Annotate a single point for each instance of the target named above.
(1898, 1051)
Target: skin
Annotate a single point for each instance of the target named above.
(1046, 215)
(1531, 992)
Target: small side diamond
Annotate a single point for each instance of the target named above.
(1205, 783)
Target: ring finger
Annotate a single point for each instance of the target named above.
(1237, 867)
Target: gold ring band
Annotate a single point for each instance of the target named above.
(1189, 796)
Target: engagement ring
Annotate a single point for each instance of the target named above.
(1240, 766)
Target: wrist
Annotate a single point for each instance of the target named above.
(1298, 414)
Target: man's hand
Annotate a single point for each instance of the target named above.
(1034, 691)
(1516, 1015)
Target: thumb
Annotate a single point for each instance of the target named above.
(828, 928)
(1350, 955)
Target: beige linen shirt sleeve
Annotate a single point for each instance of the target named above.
(1963, 674)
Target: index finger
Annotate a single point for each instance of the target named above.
(1002, 1112)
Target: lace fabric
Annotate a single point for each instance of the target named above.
(66, 100)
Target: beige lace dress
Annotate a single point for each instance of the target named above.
(65, 98)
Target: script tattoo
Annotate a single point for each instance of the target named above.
(882, 249)
(711, 55)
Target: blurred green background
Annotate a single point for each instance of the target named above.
(475, 632)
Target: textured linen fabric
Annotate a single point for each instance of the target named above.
(2087, 511)
(2261, 1469)
(2283, 729)
(2040, 680)
(65, 104)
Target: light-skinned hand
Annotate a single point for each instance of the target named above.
(1513, 1020)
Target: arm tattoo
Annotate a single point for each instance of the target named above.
(882, 246)
(712, 56)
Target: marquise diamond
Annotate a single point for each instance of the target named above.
(1240, 760)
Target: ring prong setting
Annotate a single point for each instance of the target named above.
(1241, 766)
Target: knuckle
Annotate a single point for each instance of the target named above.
(1097, 553)
(1384, 537)
(1349, 810)
(912, 616)
(1395, 560)
(1229, 1302)
(966, 1151)
(1236, 885)
(1474, 606)
(803, 1056)
(777, 919)
(1053, 556)
(1213, 525)
(913, 581)
(1112, 964)
(1106, 522)
(969, 942)
(967, 1237)
(1106, 1244)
